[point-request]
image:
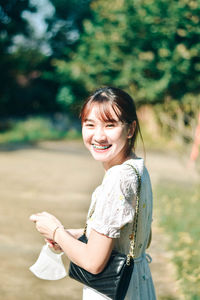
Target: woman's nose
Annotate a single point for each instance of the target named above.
(99, 134)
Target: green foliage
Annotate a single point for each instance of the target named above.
(26, 91)
(65, 25)
(22, 89)
(65, 96)
(29, 84)
(35, 129)
(149, 48)
(11, 25)
(11, 20)
(178, 207)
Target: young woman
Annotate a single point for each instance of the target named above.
(110, 127)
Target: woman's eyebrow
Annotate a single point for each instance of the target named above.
(106, 121)
(111, 121)
(88, 120)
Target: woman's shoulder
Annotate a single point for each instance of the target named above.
(117, 172)
(124, 173)
(127, 167)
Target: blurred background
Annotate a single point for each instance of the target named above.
(53, 54)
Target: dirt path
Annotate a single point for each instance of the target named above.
(59, 177)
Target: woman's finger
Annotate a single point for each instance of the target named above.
(44, 213)
(34, 218)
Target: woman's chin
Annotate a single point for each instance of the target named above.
(100, 155)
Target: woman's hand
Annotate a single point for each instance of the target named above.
(46, 224)
(53, 245)
(76, 233)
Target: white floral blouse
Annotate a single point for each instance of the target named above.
(113, 217)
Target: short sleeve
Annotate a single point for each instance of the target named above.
(114, 201)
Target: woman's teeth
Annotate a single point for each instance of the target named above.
(101, 147)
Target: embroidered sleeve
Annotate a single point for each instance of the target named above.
(115, 201)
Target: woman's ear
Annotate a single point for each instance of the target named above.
(131, 129)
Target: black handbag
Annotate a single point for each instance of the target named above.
(114, 280)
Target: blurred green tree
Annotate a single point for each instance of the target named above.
(12, 24)
(149, 48)
(28, 81)
(65, 25)
(65, 28)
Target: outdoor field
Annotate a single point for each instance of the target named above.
(56, 54)
(59, 177)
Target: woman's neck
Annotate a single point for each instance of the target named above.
(108, 165)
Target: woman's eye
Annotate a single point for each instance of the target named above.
(110, 125)
(89, 125)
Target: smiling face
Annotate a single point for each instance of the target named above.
(105, 138)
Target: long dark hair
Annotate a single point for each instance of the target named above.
(121, 103)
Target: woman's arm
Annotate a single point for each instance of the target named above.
(75, 232)
(92, 256)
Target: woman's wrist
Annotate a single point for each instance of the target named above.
(55, 232)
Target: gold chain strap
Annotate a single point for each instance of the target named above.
(90, 215)
(132, 236)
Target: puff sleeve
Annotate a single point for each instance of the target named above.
(114, 201)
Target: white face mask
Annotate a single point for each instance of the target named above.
(49, 265)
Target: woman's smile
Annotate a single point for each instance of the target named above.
(106, 140)
(101, 148)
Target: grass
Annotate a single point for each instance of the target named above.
(35, 129)
(178, 208)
